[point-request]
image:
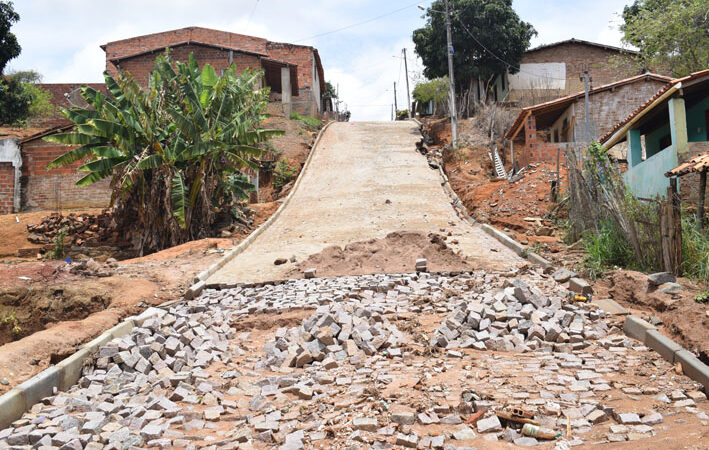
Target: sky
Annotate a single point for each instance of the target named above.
(360, 41)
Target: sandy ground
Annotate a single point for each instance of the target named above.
(365, 181)
(396, 253)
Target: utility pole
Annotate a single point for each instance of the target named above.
(396, 107)
(453, 110)
(408, 96)
(586, 81)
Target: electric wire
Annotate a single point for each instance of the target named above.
(356, 24)
(519, 69)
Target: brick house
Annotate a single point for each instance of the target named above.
(669, 129)
(551, 71)
(293, 72)
(542, 131)
(554, 70)
(27, 184)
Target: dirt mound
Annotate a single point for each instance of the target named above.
(396, 253)
(682, 318)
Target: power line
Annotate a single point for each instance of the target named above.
(356, 24)
(519, 69)
(251, 15)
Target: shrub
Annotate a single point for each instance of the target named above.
(695, 250)
(11, 321)
(59, 240)
(607, 248)
(283, 173)
(310, 123)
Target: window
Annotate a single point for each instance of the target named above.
(665, 141)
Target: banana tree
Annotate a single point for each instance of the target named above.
(168, 149)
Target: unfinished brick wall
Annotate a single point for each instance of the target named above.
(606, 108)
(137, 56)
(303, 57)
(604, 65)
(56, 188)
(141, 66)
(534, 150)
(7, 187)
(609, 107)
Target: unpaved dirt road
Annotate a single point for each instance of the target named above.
(365, 181)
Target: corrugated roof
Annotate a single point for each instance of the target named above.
(697, 164)
(565, 101)
(658, 94)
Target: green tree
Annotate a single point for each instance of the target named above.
(669, 33)
(22, 99)
(330, 91)
(488, 39)
(435, 90)
(9, 47)
(15, 101)
(169, 149)
(40, 100)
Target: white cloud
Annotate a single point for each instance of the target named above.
(61, 38)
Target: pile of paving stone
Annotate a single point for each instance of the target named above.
(185, 379)
(333, 333)
(128, 397)
(520, 318)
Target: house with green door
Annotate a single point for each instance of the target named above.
(667, 130)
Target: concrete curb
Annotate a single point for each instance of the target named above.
(64, 374)
(672, 352)
(503, 238)
(636, 328)
(200, 281)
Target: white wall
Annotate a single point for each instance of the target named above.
(539, 76)
(10, 152)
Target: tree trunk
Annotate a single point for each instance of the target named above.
(700, 200)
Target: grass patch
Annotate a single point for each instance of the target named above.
(606, 249)
(695, 250)
(310, 123)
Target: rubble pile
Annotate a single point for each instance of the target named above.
(91, 268)
(189, 379)
(333, 333)
(522, 319)
(81, 229)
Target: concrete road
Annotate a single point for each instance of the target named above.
(343, 197)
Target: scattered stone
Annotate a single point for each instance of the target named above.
(489, 424)
(563, 275)
(657, 279)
